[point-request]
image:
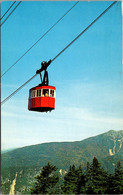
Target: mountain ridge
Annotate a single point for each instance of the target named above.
(26, 162)
(12, 149)
(101, 146)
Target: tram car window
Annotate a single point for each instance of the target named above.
(46, 92)
(33, 93)
(51, 93)
(39, 93)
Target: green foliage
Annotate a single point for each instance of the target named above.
(70, 181)
(77, 153)
(96, 178)
(27, 161)
(46, 180)
(118, 179)
(115, 180)
(74, 180)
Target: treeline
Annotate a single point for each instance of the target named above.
(95, 180)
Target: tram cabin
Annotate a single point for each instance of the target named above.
(42, 98)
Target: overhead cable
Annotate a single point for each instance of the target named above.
(84, 30)
(62, 50)
(7, 10)
(40, 38)
(10, 13)
(17, 89)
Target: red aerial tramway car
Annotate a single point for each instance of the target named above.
(42, 97)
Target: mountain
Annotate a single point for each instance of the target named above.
(22, 164)
(4, 151)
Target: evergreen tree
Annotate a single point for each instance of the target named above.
(80, 181)
(74, 180)
(118, 179)
(46, 180)
(96, 178)
(70, 180)
(110, 184)
(89, 187)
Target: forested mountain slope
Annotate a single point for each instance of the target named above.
(25, 162)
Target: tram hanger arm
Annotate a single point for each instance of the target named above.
(44, 65)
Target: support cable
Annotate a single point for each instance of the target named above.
(7, 10)
(84, 30)
(10, 13)
(61, 51)
(17, 89)
(40, 38)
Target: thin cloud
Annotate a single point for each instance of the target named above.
(65, 115)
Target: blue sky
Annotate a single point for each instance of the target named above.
(87, 76)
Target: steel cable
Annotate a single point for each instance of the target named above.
(10, 13)
(40, 38)
(84, 31)
(17, 89)
(7, 10)
(62, 50)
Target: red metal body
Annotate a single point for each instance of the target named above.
(42, 98)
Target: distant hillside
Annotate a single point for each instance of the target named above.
(27, 161)
(8, 150)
